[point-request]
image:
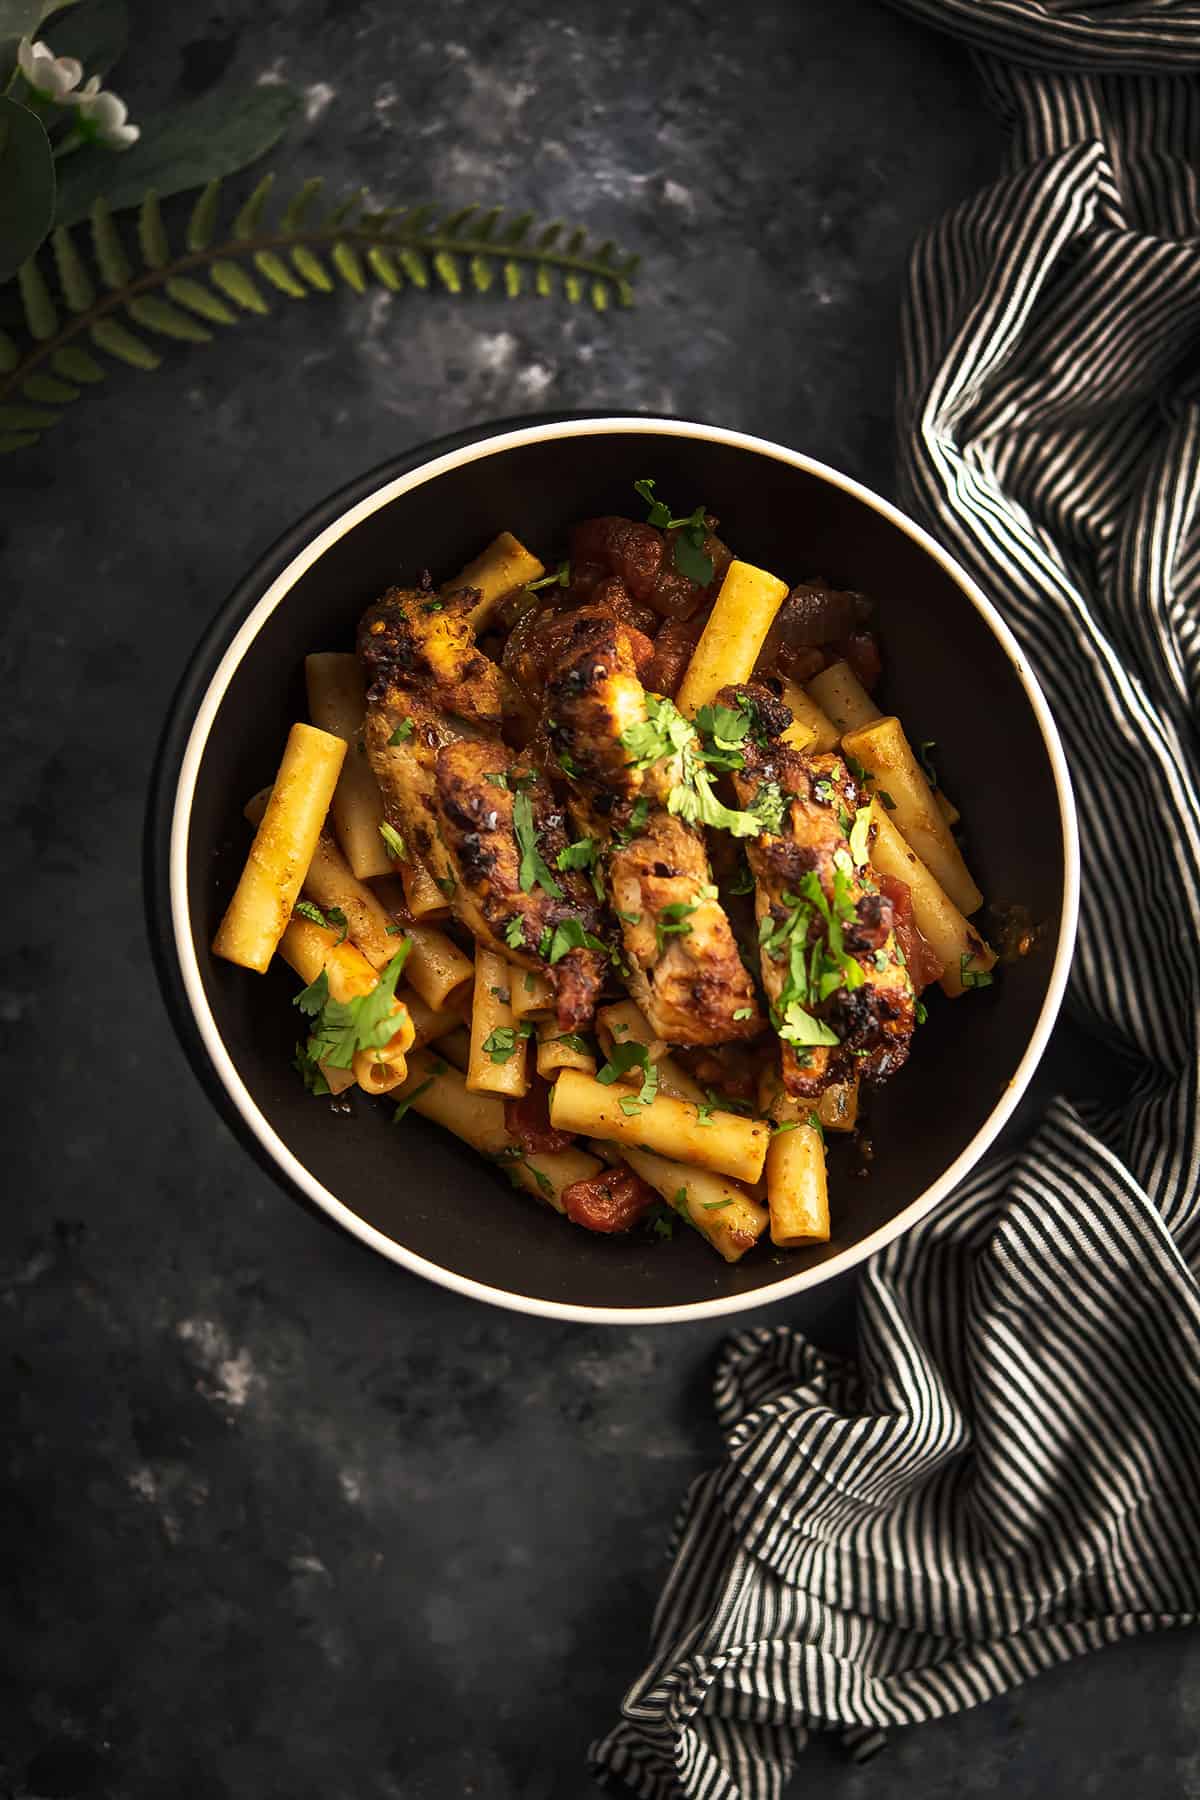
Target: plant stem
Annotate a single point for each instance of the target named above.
(327, 236)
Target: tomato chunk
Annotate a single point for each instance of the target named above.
(924, 964)
(614, 1201)
(528, 1120)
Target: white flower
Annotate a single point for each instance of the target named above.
(51, 77)
(102, 116)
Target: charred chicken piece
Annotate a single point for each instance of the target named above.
(432, 735)
(427, 686)
(841, 998)
(684, 969)
(503, 831)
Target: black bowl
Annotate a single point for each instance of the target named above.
(954, 673)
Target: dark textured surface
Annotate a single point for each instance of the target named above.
(278, 1520)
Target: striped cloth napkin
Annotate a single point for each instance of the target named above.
(1009, 1474)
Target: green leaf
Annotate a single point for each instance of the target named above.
(517, 229)
(152, 233)
(247, 221)
(203, 220)
(483, 272)
(199, 299)
(600, 295)
(233, 280)
(26, 185)
(74, 362)
(456, 220)
(449, 271)
(17, 440)
(10, 356)
(77, 286)
(550, 236)
(573, 287)
(26, 418)
(414, 266)
(159, 315)
(348, 266)
(44, 388)
(106, 242)
(298, 206)
(382, 266)
(40, 314)
(216, 135)
(543, 282)
(96, 35)
(272, 265)
(108, 335)
(513, 279)
(312, 269)
(344, 211)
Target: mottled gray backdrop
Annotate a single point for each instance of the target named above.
(280, 1521)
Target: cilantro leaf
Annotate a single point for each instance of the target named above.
(500, 1043)
(533, 866)
(768, 807)
(973, 978)
(799, 1027)
(309, 1071)
(343, 1027)
(622, 1059)
(393, 843)
(715, 1205)
(514, 933)
(583, 854)
(337, 918)
(304, 909)
(570, 935)
(560, 578)
(672, 922)
(860, 836)
(403, 732)
(312, 999)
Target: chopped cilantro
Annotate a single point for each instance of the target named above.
(582, 855)
(497, 777)
(768, 807)
(672, 922)
(394, 930)
(500, 1043)
(433, 606)
(722, 729)
(305, 909)
(781, 1125)
(340, 1028)
(403, 732)
(574, 1041)
(887, 800)
(690, 558)
(393, 843)
(528, 983)
(817, 1126)
(623, 1058)
(514, 933)
(309, 1071)
(629, 918)
(822, 791)
(560, 578)
(715, 1205)
(704, 1113)
(567, 763)
(859, 770)
(660, 1220)
(743, 881)
(533, 867)
(919, 1013)
(972, 978)
(679, 1199)
(845, 822)
(408, 1100)
(570, 935)
(446, 885)
(743, 1012)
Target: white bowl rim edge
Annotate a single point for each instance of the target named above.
(290, 1165)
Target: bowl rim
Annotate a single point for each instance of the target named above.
(262, 1135)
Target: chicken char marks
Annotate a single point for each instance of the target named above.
(813, 947)
(684, 969)
(429, 683)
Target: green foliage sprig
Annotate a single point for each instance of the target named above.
(94, 300)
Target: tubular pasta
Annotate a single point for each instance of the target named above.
(742, 615)
(337, 703)
(498, 1049)
(724, 1141)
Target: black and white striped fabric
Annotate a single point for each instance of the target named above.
(1010, 1473)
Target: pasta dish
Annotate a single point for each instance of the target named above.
(617, 871)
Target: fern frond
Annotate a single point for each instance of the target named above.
(98, 296)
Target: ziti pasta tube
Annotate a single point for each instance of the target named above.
(742, 615)
(810, 729)
(964, 955)
(436, 967)
(561, 1050)
(498, 1043)
(337, 703)
(719, 1209)
(842, 697)
(497, 572)
(438, 1092)
(797, 1197)
(625, 1023)
(283, 847)
(706, 1139)
(532, 995)
(884, 751)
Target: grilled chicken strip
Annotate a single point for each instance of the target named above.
(684, 969)
(487, 829)
(829, 957)
(432, 734)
